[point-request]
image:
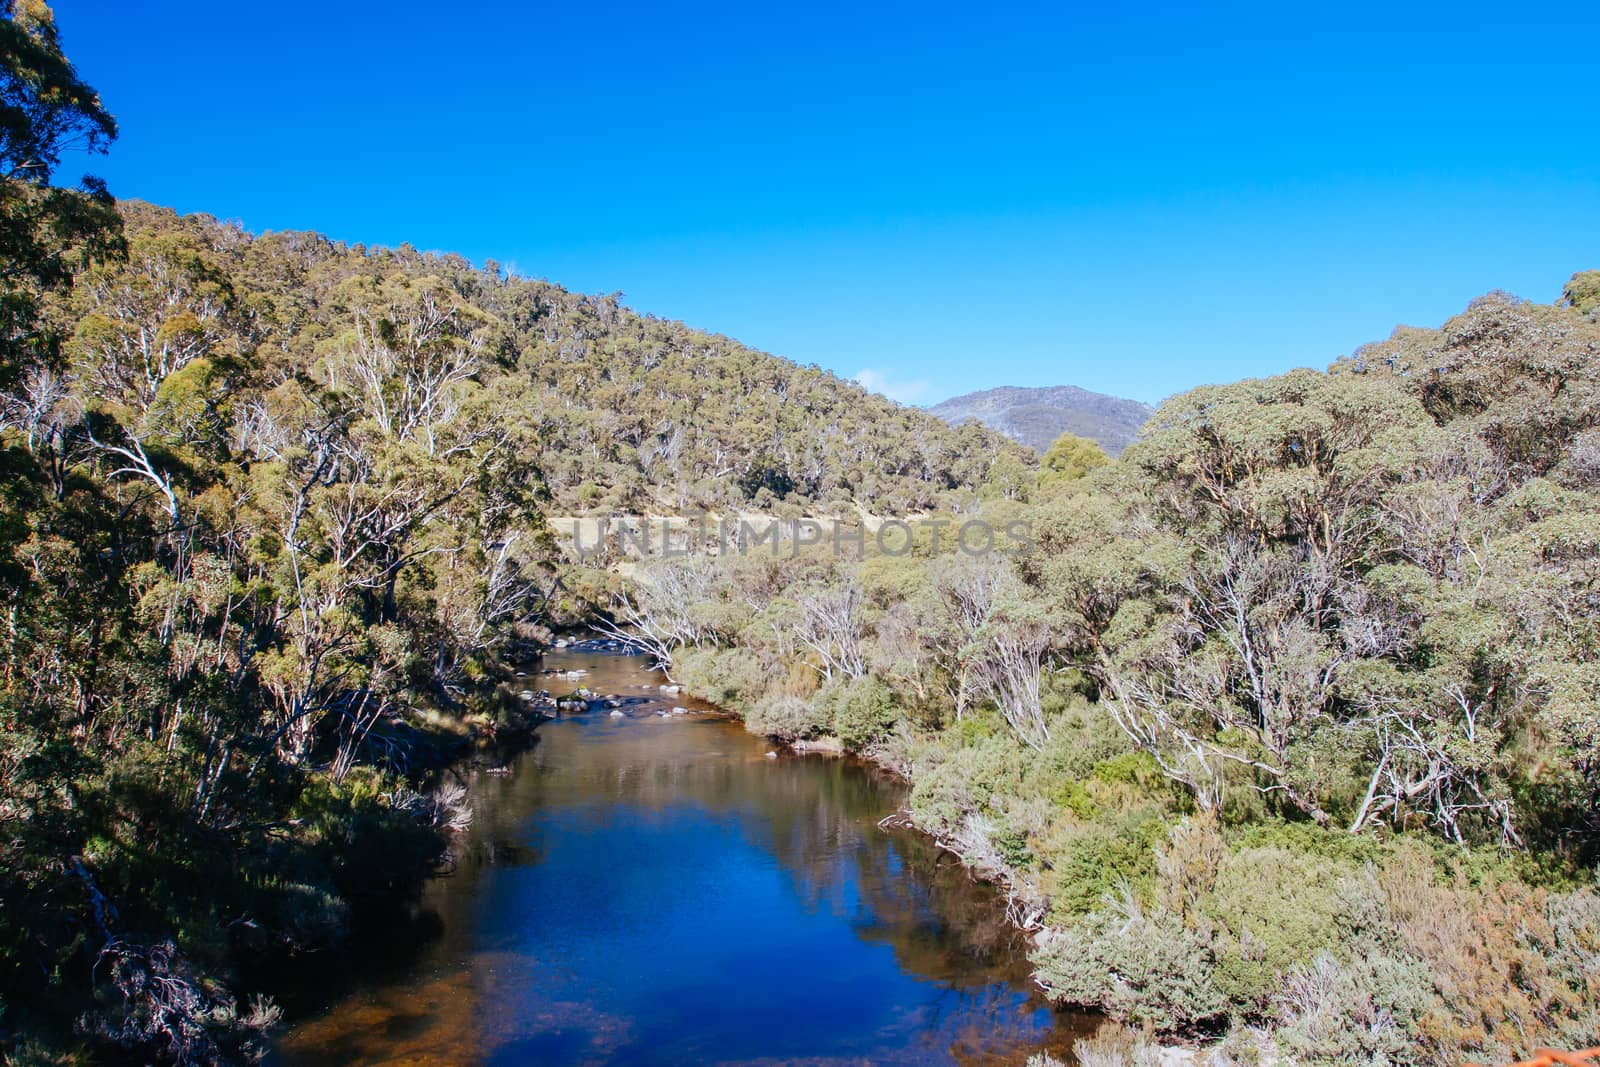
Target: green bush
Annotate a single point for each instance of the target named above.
(1011, 845)
(980, 724)
(785, 718)
(1272, 910)
(729, 678)
(1081, 737)
(1073, 796)
(941, 798)
(1337, 1014)
(1150, 971)
(862, 711)
(1088, 863)
(976, 778)
(1188, 864)
(1361, 1002)
(373, 849)
(1314, 840)
(1129, 768)
(1571, 950)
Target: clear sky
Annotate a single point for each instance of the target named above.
(1131, 198)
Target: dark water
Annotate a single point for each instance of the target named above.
(647, 890)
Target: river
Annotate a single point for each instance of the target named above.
(648, 889)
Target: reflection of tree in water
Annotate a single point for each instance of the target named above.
(818, 820)
(943, 925)
(817, 817)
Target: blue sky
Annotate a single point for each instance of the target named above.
(945, 197)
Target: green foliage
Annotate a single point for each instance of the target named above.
(1009, 479)
(1312, 840)
(861, 711)
(262, 518)
(1128, 768)
(1582, 292)
(1272, 909)
(728, 678)
(1147, 971)
(45, 231)
(1360, 1010)
(1088, 865)
(1070, 458)
(1082, 738)
(787, 718)
(974, 779)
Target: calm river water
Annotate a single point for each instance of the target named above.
(649, 890)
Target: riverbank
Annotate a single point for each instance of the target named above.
(1234, 935)
(1108, 1045)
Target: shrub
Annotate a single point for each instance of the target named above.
(1011, 845)
(1129, 768)
(1511, 965)
(1081, 737)
(1360, 1002)
(785, 718)
(1271, 910)
(1088, 863)
(1150, 971)
(862, 711)
(976, 778)
(1116, 1046)
(942, 798)
(1571, 949)
(1311, 839)
(980, 724)
(1187, 868)
(1357, 1012)
(728, 678)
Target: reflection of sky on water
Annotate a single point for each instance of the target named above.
(647, 890)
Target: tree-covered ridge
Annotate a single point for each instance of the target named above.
(629, 412)
(1288, 719)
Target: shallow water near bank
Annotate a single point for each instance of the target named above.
(658, 890)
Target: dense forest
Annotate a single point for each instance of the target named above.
(1285, 726)
(613, 411)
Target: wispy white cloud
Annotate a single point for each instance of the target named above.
(886, 383)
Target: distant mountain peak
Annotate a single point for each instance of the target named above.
(1037, 416)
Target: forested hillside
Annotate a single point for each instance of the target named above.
(1287, 723)
(614, 410)
(1036, 417)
